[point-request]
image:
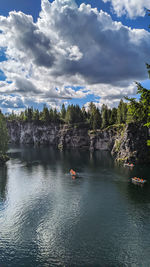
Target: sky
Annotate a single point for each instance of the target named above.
(67, 51)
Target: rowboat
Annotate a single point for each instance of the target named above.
(73, 174)
(138, 180)
(129, 165)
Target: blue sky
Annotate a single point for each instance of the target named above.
(92, 51)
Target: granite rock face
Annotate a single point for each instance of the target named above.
(102, 140)
(131, 144)
(128, 143)
(52, 134)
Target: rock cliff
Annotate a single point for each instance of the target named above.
(126, 143)
(131, 144)
(53, 134)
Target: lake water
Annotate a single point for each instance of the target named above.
(49, 219)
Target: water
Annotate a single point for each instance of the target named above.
(48, 219)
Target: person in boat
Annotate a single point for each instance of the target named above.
(72, 172)
(138, 179)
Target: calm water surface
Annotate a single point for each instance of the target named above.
(48, 219)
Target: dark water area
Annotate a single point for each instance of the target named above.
(49, 219)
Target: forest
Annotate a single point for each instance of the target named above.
(129, 110)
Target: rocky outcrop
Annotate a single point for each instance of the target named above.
(102, 140)
(126, 143)
(131, 144)
(3, 158)
(53, 134)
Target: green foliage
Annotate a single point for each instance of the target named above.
(45, 116)
(94, 117)
(133, 111)
(63, 112)
(29, 114)
(36, 115)
(74, 114)
(117, 145)
(122, 112)
(3, 135)
(105, 116)
(139, 110)
(148, 142)
(113, 117)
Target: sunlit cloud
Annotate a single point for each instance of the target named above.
(70, 47)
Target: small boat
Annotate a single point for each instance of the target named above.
(138, 180)
(73, 174)
(129, 165)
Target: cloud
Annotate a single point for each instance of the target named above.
(68, 47)
(11, 102)
(131, 8)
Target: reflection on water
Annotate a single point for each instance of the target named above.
(3, 183)
(48, 219)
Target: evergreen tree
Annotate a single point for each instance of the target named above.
(22, 116)
(29, 114)
(122, 112)
(139, 110)
(51, 115)
(105, 119)
(93, 116)
(63, 112)
(55, 116)
(113, 117)
(97, 120)
(70, 116)
(45, 114)
(84, 114)
(3, 135)
(36, 115)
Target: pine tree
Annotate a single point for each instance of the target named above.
(63, 112)
(105, 119)
(113, 117)
(3, 135)
(45, 114)
(36, 115)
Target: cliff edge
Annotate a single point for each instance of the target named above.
(127, 143)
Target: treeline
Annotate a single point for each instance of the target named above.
(94, 117)
(73, 114)
(131, 111)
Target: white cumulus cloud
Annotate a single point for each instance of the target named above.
(70, 46)
(131, 8)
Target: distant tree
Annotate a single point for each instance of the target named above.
(63, 112)
(22, 116)
(45, 114)
(51, 115)
(94, 116)
(36, 115)
(84, 114)
(105, 118)
(97, 119)
(139, 110)
(12, 116)
(29, 114)
(55, 116)
(113, 117)
(70, 116)
(122, 112)
(3, 135)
